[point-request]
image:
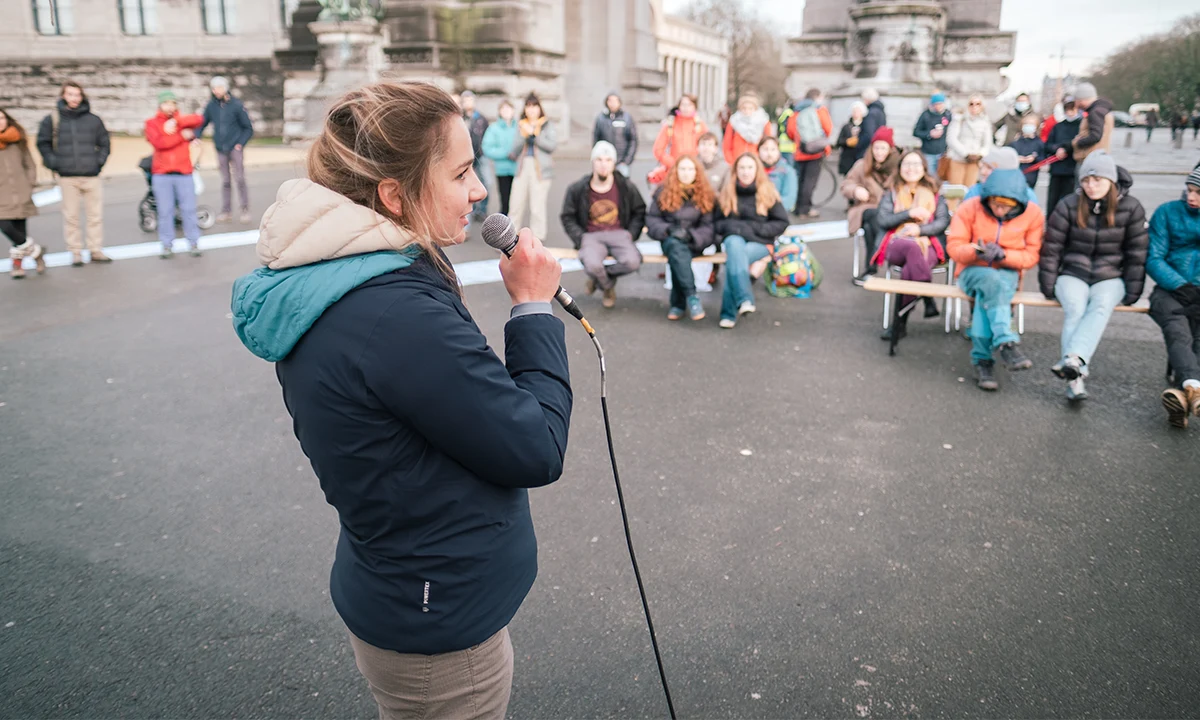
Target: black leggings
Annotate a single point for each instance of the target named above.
(871, 232)
(15, 230)
(504, 185)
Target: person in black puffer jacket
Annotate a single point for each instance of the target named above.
(76, 148)
(1093, 258)
(748, 217)
(681, 219)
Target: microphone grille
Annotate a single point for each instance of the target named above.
(498, 232)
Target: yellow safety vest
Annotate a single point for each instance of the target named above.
(786, 144)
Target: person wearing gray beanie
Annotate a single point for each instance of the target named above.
(999, 158)
(232, 129)
(1096, 131)
(1098, 164)
(603, 214)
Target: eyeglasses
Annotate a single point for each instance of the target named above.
(975, 103)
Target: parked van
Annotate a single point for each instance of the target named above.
(1138, 112)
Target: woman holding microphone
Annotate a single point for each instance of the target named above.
(422, 439)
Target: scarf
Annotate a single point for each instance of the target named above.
(9, 136)
(907, 199)
(532, 128)
(750, 127)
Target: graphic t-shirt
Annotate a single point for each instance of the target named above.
(603, 212)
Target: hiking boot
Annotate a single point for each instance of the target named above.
(900, 327)
(1175, 402)
(1013, 358)
(931, 308)
(18, 271)
(985, 376)
(695, 309)
(76, 258)
(245, 219)
(1193, 398)
(590, 286)
(746, 308)
(27, 249)
(167, 253)
(726, 323)
(224, 218)
(675, 313)
(609, 299)
(1075, 390)
(98, 256)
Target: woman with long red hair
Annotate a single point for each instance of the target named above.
(681, 219)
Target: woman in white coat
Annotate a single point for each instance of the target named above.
(967, 141)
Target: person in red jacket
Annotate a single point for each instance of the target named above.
(171, 135)
(808, 165)
(746, 129)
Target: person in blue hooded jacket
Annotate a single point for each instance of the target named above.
(498, 140)
(1174, 263)
(423, 440)
(232, 129)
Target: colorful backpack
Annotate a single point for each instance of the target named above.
(794, 271)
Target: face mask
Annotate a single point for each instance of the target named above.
(1072, 117)
(1029, 129)
(1021, 107)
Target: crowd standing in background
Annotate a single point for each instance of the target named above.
(616, 126)
(850, 136)
(18, 174)
(497, 146)
(968, 139)
(810, 129)
(170, 133)
(533, 151)
(931, 130)
(477, 126)
(747, 127)
(1058, 144)
(231, 131)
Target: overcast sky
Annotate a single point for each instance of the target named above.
(1085, 30)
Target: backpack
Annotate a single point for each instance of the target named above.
(793, 271)
(813, 139)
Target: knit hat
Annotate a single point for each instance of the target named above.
(166, 96)
(1085, 91)
(218, 81)
(885, 134)
(1193, 179)
(604, 149)
(1002, 158)
(466, 94)
(937, 98)
(1098, 164)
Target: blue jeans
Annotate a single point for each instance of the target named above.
(483, 170)
(1086, 310)
(931, 162)
(739, 254)
(169, 191)
(991, 325)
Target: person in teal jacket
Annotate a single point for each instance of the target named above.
(782, 173)
(1174, 263)
(497, 143)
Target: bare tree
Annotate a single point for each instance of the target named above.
(754, 48)
(1162, 68)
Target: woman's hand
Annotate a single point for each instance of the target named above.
(861, 194)
(920, 214)
(908, 230)
(531, 274)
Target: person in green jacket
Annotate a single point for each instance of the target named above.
(497, 142)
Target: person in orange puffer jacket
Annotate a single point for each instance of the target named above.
(993, 239)
(679, 136)
(746, 129)
(171, 169)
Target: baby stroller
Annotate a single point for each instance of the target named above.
(148, 208)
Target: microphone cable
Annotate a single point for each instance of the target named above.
(612, 457)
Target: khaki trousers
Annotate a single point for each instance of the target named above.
(962, 173)
(91, 191)
(471, 684)
(529, 191)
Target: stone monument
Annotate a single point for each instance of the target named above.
(906, 49)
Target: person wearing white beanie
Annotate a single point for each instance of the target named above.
(603, 214)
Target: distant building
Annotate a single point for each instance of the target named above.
(1053, 89)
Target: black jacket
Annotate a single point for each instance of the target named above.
(619, 129)
(746, 221)
(875, 119)
(888, 219)
(426, 443)
(631, 208)
(1061, 136)
(1030, 146)
(82, 141)
(1096, 116)
(849, 155)
(927, 122)
(230, 121)
(477, 125)
(1097, 252)
(699, 226)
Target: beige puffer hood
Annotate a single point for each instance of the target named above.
(309, 223)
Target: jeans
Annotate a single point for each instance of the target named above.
(1181, 333)
(739, 254)
(1086, 310)
(683, 281)
(170, 190)
(596, 246)
(931, 162)
(991, 324)
(230, 164)
(808, 172)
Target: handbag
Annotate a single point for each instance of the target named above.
(943, 168)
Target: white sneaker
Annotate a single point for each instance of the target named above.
(1076, 390)
(746, 308)
(726, 323)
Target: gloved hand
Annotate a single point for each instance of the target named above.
(1187, 295)
(992, 253)
(1129, 300)
(1048, 292)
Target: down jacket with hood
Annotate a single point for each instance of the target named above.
(1097, 252)
(1019, 231)
(422, 439)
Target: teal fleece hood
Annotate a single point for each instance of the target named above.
(316, 246)
(272, 309)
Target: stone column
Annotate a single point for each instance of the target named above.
(350, 54)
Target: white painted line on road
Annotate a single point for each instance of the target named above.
(43, 198)
(476, 272)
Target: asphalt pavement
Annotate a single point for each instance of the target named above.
(824, 531)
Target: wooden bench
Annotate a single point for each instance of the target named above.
(952, 292)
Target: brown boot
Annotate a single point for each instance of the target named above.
(1175, 402)
(98, 256)
(16, 256)
(1193, 399)
(610, 297)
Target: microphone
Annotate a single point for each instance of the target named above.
(498, 232)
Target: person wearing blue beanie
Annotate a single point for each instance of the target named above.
(931, 131)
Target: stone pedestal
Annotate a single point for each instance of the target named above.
(350, 54)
